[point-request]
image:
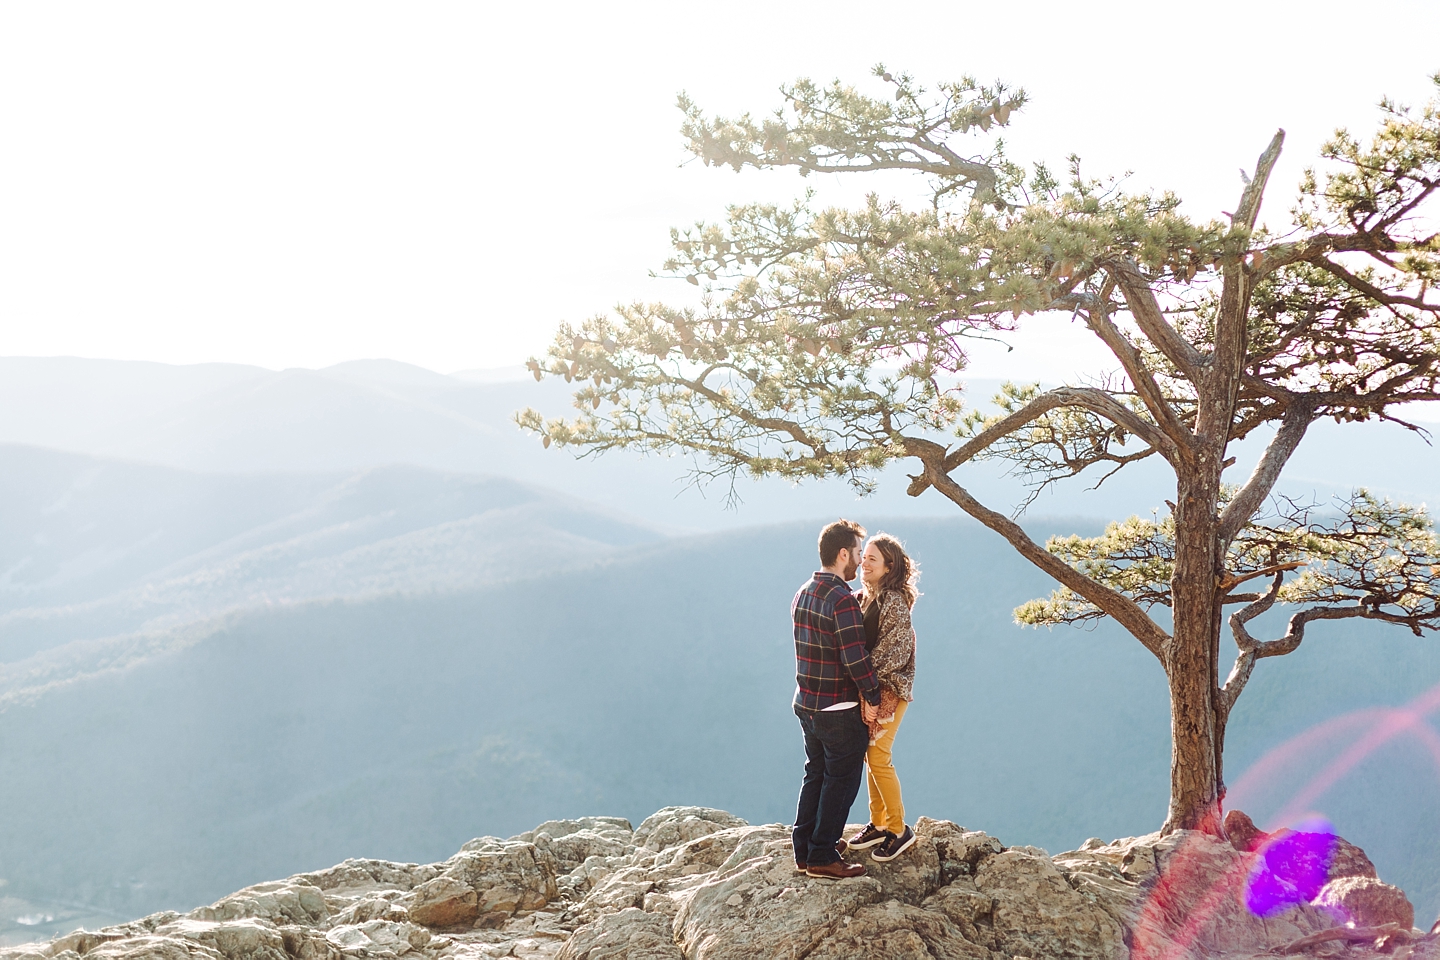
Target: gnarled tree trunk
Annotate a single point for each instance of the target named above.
(1191, 664)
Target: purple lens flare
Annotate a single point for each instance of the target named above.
(1290, 868)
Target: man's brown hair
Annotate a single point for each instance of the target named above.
(837, 536)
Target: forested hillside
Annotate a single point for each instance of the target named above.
(398, 726)
(235, 647)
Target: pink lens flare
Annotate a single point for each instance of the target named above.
(1187, 895)
(1194, 889)
(1376, 726)
(1246, 791)
(1292, 866)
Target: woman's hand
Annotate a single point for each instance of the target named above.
(867, 712)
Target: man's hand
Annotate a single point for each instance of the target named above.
(867, 712)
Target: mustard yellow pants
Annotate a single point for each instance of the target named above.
(887, 810)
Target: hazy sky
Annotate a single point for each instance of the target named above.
(297, 184)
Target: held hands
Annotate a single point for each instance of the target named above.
(867, 712)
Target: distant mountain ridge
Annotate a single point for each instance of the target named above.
(228, 418)
(91, 548)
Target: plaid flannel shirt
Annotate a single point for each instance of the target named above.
(831, 665)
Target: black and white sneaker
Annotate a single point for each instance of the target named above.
(893, 846)
(867, 838)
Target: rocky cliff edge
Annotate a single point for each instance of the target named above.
(701, 884)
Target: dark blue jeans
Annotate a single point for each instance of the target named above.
(835, 744)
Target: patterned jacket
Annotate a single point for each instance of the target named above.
(894, 653)
(831, 665)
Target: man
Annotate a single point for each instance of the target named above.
(833, 674)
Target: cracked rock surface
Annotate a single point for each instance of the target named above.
(692, 883)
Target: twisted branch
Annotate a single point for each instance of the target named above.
(1124, 610)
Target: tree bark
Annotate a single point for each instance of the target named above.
(1198, 713)
(1196, 719)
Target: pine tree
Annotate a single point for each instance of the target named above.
(828, 341)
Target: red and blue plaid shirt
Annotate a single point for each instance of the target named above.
(831, 665)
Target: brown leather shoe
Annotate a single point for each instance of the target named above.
(839, 870)
(840, 847)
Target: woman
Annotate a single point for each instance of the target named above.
(887, 576)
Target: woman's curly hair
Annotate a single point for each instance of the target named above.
(902, 573)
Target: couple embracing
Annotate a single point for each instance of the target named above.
(854, 666)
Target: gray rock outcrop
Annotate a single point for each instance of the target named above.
(691, 883)
(1367, 902)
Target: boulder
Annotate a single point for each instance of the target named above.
(760, 907)
(612, 827)
(630, 934)
(379, 906)
(379, 938)
(698, 883)
(1366, 902)
(910, 877)
(1346, 859)
(307, 943)
(487, 844)
(1242, 833)
(960, 851)
(358, 876)
(151, 947)
(285, 901)
(485, 887)
(659, 882)
(573, 849)
(1019, 904)
(671, 825)
(1184, 893)
(897, 931)
(962, 904)
(81, 942)
(134, 928)
(247, 939)
(576, 884)
(618, 891)
(715, 851)
(1036, 913)
(444, 902)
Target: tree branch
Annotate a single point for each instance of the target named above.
(1238, 579)
(776, 424)
(1298, 417)
(1151, 320)
(1089, 398)
(1372, 291)
(1249, 208)
(1249, 646)
(1280, 255)
(1228, 357)
(1252, 650)
(1145, 385)
(1117, 605)
(969, 171)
